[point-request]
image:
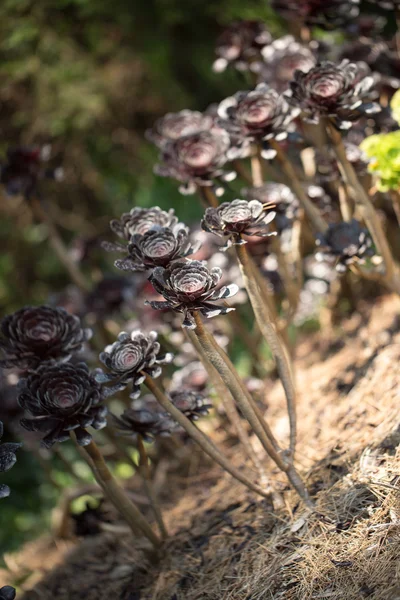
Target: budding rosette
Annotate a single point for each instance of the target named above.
(261, 114)
(148, 422)
(37, 334)
(237, 218)
(240, 45)
(192, 404)
(7, 461)
(341, 91)
(346, 243)
(130, 359)
(281, 59)
(196, 159)
(176, 125)
(61, 399)
(189, 286)
(324, 13)
(158, 246)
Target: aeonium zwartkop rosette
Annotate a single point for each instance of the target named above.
(130, 359)
(148, 422)
(37, 334)
(240, 45)
(140, 220)
(237, 218)
(189, 286)
(341, 91)
(61, 399)
(197, 159)
(346, 243)
(192, 404)
(281, 59)
(176, 125)
(7, 461)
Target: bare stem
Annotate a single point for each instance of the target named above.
(208, 196)
(256, 170)
(58, 245)
(144, 469)
(345, 203)
(311, 211)
(115, 493)
(202, 440)
(269, 331)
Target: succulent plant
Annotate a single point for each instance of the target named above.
(7, 593)
(197, 159)
(192, 404)
(258, 115)
(176, 125)
(189, 286)
(149, 422)
(281, 59)
(139, 220)
(278, 195)
(158, 246)
(382, 59)
(7, 461)
(342, 91)
(24, 168)
(324, 13)
(237, 218)
(191, 376)
(240, 45)
(130, 359)
(61, 399)
(37, 334)
(346, 243)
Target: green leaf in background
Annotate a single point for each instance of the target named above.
(384, 152)
(395, 106)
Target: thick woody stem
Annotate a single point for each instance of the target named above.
(345, 204)
(256, 170)
(115, 493)
(311, 211)
(268, 329)
(58, 245)
(144, 469)
(198, 436)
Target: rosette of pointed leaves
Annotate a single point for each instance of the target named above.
(24, 168)
(234, 219)
(61, 399)
(341, 91)
(7, 593)
(149, 422)
(176, 125)
(158, 246)
(258, 115)
(37, 334)
(196, 159)
(130, 359)
(189, 286)
(140, 220)
(384, 151)
(346, 243)
(7, 460)
(281, 59)
(240, 45)
(192, 404)
(324, 13)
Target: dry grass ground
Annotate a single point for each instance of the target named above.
(227, 544)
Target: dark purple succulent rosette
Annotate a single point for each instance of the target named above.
(149, 423)
(7, 461)
(327, 14)
(7, 593)
(345, 243)
(61, 399)
(158, 246)
(24, 168)
(37, 334)
(256, 116)
(189, 286)
(240, 45)
(140, 220)
(237, 218)
(192, 376)
(129, 360)
(281, 59)
(192, 404)
(176, 125)
(341, 91)
(197, 160)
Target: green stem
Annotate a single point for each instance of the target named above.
(198, 436)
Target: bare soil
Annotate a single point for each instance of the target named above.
(227, 544)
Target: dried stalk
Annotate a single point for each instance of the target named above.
(395, 197)
(115, 493)
(208, 196)
(144, 470)
(345, 204)
(200, 438)
(269, 330)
